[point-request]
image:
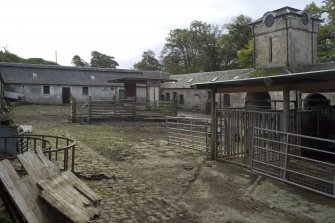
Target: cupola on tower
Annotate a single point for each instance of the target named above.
(285, 37)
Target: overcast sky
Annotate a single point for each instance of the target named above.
(120, 28)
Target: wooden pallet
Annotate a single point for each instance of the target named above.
(44, 194)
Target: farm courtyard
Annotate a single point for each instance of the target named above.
(146, 180)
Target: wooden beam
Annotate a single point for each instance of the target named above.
(213, 126)
(286, 110)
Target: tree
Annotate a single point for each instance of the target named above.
(237, 38)
(148, 62)
(204, 39)
(326, 37)
(191, 50)
(79, 62)
(177, 52)
(102, 60)
(245, 56)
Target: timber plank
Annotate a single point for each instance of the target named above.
(19, 192)
(70, 196)
(44, 185)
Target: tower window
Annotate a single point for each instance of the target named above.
(270, 49)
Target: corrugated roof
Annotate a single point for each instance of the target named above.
(186, 80)
(65, 75)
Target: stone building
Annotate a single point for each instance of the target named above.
(56, 84)
(285, 42)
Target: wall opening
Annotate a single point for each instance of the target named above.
(315, 101)
(258, 100)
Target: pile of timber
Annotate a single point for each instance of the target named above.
(44, 194)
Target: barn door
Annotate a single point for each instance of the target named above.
(66, 95)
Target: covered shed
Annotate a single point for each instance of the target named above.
(289, 142)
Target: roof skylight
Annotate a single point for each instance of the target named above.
(215, 79)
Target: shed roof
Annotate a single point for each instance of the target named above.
(312, 81)
(186, 80)
(15, 73)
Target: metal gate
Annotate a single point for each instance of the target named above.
(237, 126)
(275, 154)
(187, 132)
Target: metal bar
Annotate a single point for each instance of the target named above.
(295, 184)
(73, 157)
(285, 158)
(299, 135)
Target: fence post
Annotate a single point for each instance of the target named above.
(167, 130)
(73, 110)
(286, 156)
(213, 126)
(89, 108)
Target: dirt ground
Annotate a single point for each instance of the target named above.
(151, 181)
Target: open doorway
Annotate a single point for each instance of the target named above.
(66, 95)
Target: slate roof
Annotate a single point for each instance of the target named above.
(186, 80)
(282, 12)
(15, 73)
(315, 67)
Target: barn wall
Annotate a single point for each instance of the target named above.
(34, 93)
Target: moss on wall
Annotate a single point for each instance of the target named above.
(268, 72)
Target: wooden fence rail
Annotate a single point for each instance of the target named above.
(109, 109)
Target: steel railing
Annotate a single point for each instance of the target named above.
(187, 132)
(309, 164)
(58, 149)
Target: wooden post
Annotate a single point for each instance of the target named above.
(176, 108)
(285, 128)
(213, 126)
(89, 108)
(286, 111)
(73, 110)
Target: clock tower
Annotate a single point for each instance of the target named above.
(285, 37)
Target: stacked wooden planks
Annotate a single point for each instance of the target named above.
(44, 194)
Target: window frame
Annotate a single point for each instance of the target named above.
(46, 89)
(85, 91)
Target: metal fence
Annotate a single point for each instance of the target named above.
(188, 132)
(275, 154)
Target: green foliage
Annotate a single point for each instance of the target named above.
(38, 61)
(245, 56)
(102, 60)
(77, 61)
(148, 62)
(237, 38)
(326, 37)
(6, 56)
(191, 50)
(268, 72)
